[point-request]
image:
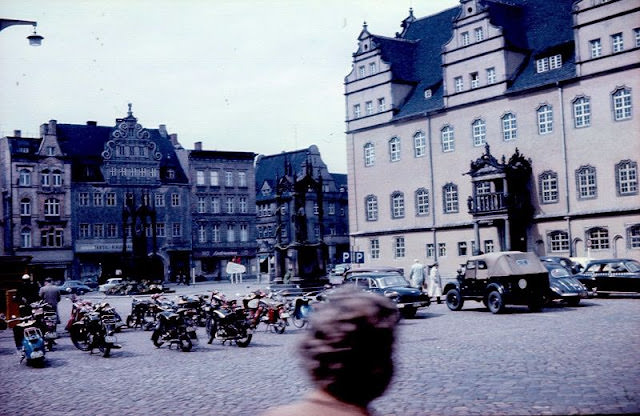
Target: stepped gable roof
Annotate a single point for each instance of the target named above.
(400, 53)
(272, 167)
(85, 143)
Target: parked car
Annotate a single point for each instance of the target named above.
(392, 284)
(75, 287)
(563, 286)
(110, 283)
(91, 281)
(611, 275)
(500, 278)
(564, 262)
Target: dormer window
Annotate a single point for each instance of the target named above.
(51, 151)
(548, 63)
(171, 174)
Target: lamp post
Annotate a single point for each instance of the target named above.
(34, 38)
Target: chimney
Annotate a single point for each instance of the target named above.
(92, 123)
(173, 138)
(197, 146)
(162, 128)
(17, 133)
(52, 127)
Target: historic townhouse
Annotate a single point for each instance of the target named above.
(324, 207)
(35, 178)
(223, 210)
(494, 126)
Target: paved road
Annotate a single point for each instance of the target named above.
(582, 360)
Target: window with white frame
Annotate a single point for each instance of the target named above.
(51, 207)
(25, 207)
(479, 34)
(627, 178)
(24, 178)
(202, 233)
(230, 205)
(175, 200)
(171, 174)
(462, 248)
(447, 139)
(633, 236)
(542, 65)
(598, 238)
(98, 199)
(362, 71)
(373, 69)
(622, 104)
(51, 151)
(397, 205)
(422, 202)
(25, 237)
(56, 177)
(394, 149)
(202, 205)
(555, 61)
(52, 237)
(419, 144)
(200, 177)
(483, 187)
(369, 154)
(242, 179)
(450, 198)
(488, 246)
(595, 47)
(112, 230)
(586, 182)
(331, 208)
(244, 232)
(548, 183)
(176, 229)
(161, 230)
(371, 206)
(558, 241)
(216, 236)
(231, 233)
(98, 230)
(214, 178)
(83, 199)
(581, 112)
(491, 76)
(83, 231)
(479, 132)
(159, 199)
(459, 84)
(374, 248)
(399, 247)
(545, 119)
(430, 250)
(382, 106)
(356, 111)
(316, 208)
(368, 106)
(474, 79)
(442, 249)
(636, 36)
(465, 38)
(228, 179)
(617, 43)
(215, 204)
(44, 178)
(242, 205)
(509, 127)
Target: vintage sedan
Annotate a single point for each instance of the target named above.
(563, 286)
(611, 275)
(393, 285)
(75, 287)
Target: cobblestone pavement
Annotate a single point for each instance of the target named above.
(564, 360)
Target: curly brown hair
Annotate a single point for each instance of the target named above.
(348, 350)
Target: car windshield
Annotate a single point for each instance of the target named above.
(390, 280)
(559, 272)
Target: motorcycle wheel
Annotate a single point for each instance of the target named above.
(185, 343)
(298, 320)
(80, 337)
(155, 337)
(244, 342)
(279, 326)
(105, 349)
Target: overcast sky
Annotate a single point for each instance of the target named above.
(248, 75)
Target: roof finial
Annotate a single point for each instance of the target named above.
(364, 25)
(129, 113)
(411, 11)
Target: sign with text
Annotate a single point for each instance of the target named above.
(353, 257)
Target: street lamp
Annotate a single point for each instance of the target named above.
(34, 38)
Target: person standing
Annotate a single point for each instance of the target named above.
(50, 293)
(434, 286)
(416, 275)
(26, 294)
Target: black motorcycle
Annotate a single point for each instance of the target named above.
(227, 322)
(46, 320)
(175, 326)
(143, 314)
(96, 329)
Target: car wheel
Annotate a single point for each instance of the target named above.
(408, 313)
(454, 300)
(495, 302)
(573, 302)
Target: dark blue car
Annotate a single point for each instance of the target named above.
(75, 287)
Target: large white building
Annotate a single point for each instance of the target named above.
(497, 125)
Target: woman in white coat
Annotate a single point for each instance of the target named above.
(434, 286)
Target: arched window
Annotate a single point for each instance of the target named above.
(57, 178)
(25, 207)
(621, 104)
(545, 119)
(598, 238)
(44, 178)
(369, 154)
(509, 127)
(422, 202)
(397, 205)
(419, 144)
(558, 241)
(371, 206)
(479, 132)
(25, 237)
(581, 112)
(24, 178)
(394, 149)
(447, 139)
(51, 207)
(450, 198)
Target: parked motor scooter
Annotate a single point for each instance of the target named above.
(30, 341)
(47, 320)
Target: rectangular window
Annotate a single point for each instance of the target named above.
(397, 206)
(98, 231)
(44, 178)
(242, 205)
(356, 111)
(57, 179)
(228, 179)
(176, 229)
(202, 234)
(331, 208)
(111, 199)
(462, 248)
(242, 179)
(422, 203)
(215, 233)
(372, 68)
(83, 199)
(230, 205)
(627, 178)
(488, 246)
(398, 247)
(51, 151)
(450, 199)
(549, 188)
(159, 199)
(97, 199)
(465, 38)
(582, 112)
(431, 251)
(83, 231)
(442, 249)
(636, 35)
(374, 248)
(545, 119)
(559, 241)
(555, 61)
(362, 71)
(112, 231)
(542, 65)
(175, 200)
(381, 105)
(213, 178)
(202, 205)
(244, 232)
(459, 83)
(617, 44)
(479, 34)
(475, 80)
(369, 107)
(200, 177)
(622, 104)
(215, 204)
(595, 46)
(491, 76)
(160, 230)
(587, 183)
(231, 233)
(25, 208)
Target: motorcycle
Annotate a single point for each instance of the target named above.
(273, 314)
(32, 344)
(96, 329)
(143, 314)
(227, 322)
(301, 310)
(175, 326)
(46, 320)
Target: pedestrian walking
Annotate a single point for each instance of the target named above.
(434, 285)
(416, 275)
(50, 293)
(348, 355)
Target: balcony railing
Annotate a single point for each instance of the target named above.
(490, 203)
